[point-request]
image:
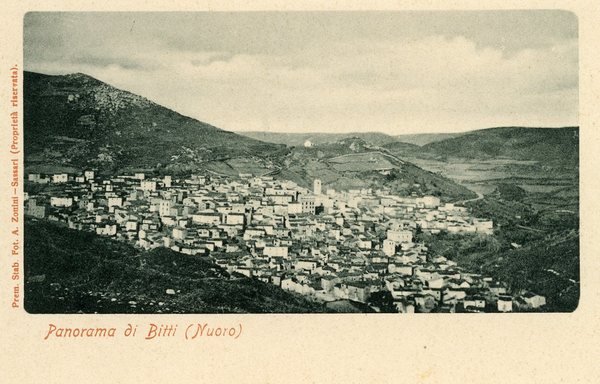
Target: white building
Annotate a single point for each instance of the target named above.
(294, 208)
(275, 251)
(401, 236)
(89, 175)
(308, 204)
(164, 207)
(234, 219)
(389, 247)
(115, 202)
(505, 304)
(60, 178)
(179, 233)
(107, 230)
(534, 300)
(207, 218)
(131, 225)
(148, 185)
(429, 201)
(61, 201)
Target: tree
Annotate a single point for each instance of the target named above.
(383, 300)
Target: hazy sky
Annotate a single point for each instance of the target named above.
(393, 72)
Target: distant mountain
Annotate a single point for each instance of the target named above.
(376, 138)
(421, 139)
(516, 143)
(298, 139)
(402, 148)
(76, 120)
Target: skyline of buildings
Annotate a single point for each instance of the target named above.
(326, 245)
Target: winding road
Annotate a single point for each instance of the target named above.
(462, 202)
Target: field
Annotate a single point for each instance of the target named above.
(354, 165)
(484, 176)
(362, 162)
(235, 166)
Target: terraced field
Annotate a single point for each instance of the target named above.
(364, 162)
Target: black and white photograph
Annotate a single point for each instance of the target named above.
(370, 162)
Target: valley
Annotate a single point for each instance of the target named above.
(523, 180)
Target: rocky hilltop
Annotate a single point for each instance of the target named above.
(78, 121)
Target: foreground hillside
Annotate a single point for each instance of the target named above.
(69, 271)
(526, 258)
(535, 246)
(78, 121)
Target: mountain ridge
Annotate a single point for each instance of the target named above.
(76, 121)
(554, 144)
(108, 127)
(517, 143)
(317, 138)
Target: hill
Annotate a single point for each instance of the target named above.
(401, 148)
(515, 143)
(509, 192)
(353, 163)
(420, 139)
(69, 271)
(76, 120)
(551, 145)
(298, 139)
(319, 138)
(545, 264)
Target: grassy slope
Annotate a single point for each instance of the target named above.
(80, 121)
(303, 165)
(525, 269)
(547, 240)
(84, 272)
(421, 139)
(516, 143)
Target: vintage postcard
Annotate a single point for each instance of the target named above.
(352, 193)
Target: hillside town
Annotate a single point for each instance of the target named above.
(330, 246)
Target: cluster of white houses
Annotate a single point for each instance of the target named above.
(327, 245)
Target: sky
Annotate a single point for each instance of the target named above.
(391, 72)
